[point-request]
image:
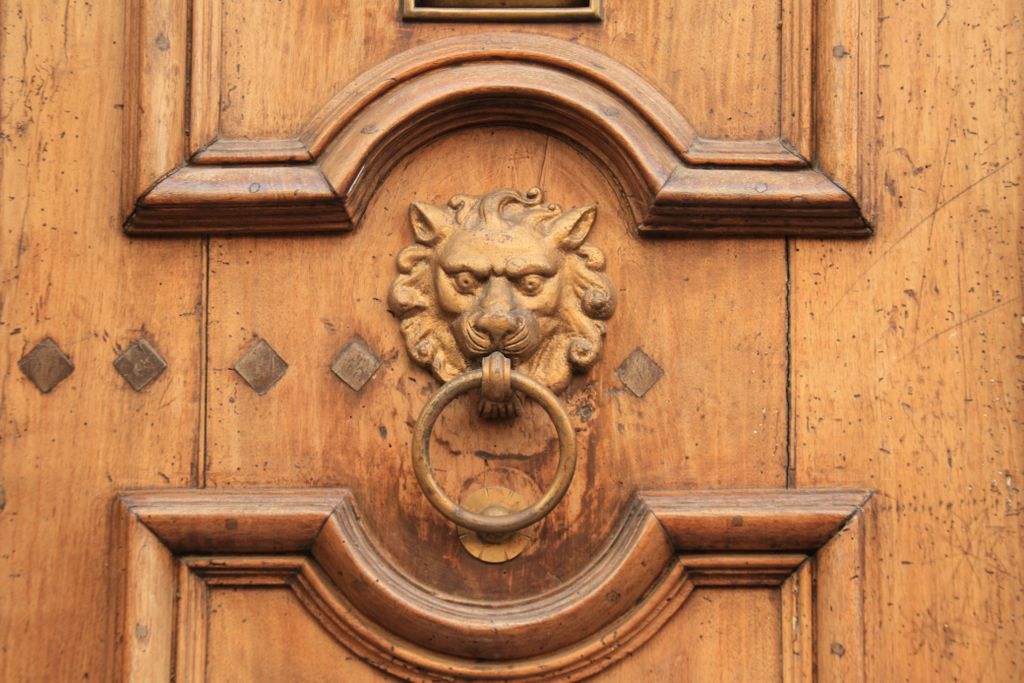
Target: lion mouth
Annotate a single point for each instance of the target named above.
(520, 342)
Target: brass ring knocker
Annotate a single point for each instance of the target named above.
(497, 380)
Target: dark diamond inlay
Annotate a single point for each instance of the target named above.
(140, 364)
(355, 364)
(261, 367)
(639, 372)
(46, 365)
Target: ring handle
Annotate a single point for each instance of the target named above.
(503, 524)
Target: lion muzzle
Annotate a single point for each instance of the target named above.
(481, 332)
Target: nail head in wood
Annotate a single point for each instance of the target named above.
(261, 367)
(46, 365)
(355, 364)
(140, 364)
(639, 372)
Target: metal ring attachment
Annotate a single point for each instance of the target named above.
(480, 523)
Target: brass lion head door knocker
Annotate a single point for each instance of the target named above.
(501, 293)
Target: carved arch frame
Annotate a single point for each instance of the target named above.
(177, 544)
(184, 178)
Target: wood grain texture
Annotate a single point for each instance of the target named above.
(718, 627)
(154, 98)
(147, 605)
(907, 350)
(797, 623)
(398, 625)
(241, 617)
(271, 87)
(66, 272)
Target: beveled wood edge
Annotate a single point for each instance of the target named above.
(721, 538)
(581, 63)
(233, 199)
(767, 520)
(797, 75)
(796, 622)
(680, 184)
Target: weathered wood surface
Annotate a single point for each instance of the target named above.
(903, 350)
(907, 349)
(67, 274)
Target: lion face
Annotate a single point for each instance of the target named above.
(502, 272)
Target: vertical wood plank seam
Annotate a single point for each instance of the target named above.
(790, 442)
(780, 112)
(861, 521)
(206, 631)
(202, 457)
(130, 79)
(813, 617)
(186, 120)
(117, 550)
(176, 619)
(868, 125)
(815, 133)
(786, 628)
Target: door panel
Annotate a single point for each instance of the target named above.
(269, 85)
(821, 482)
(360, 440)
(241, 617)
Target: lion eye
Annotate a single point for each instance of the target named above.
(465, 282)
(530, 284)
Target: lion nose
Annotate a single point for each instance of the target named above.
(496, 325)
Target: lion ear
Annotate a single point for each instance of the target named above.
(430, 223)
(570, 229)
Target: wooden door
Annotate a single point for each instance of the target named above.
(759, 271)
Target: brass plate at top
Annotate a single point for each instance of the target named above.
(503, 10)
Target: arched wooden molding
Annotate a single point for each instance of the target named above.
(176, 543)
(677, 182)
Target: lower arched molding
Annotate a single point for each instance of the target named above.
(177, 544)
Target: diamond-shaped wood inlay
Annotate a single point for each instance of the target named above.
(639, 372)
(261, 367)
(46, 365)
(355, 364)
(140, 364)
